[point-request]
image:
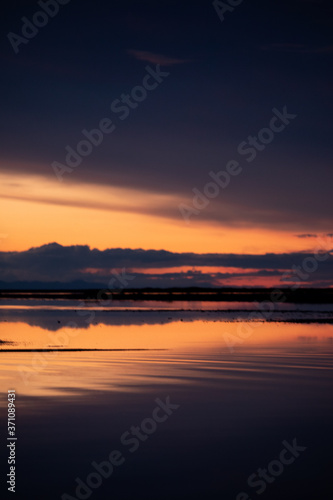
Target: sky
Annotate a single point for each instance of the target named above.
(134, 130)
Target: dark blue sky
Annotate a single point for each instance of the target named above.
(225, 79)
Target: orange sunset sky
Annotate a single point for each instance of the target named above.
(151, 123)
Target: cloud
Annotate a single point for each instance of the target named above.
(143, 55)
(195, 121)
(54, 262)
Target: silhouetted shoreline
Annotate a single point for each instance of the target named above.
(62, 349)
(301, 295)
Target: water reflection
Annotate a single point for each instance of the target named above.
(66, 353)
(138, 333)
(237, 404)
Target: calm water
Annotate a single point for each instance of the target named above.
(240, 391)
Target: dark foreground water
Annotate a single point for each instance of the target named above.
(151, 404)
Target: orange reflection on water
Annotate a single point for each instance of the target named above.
(171, 348)
(175, 335)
